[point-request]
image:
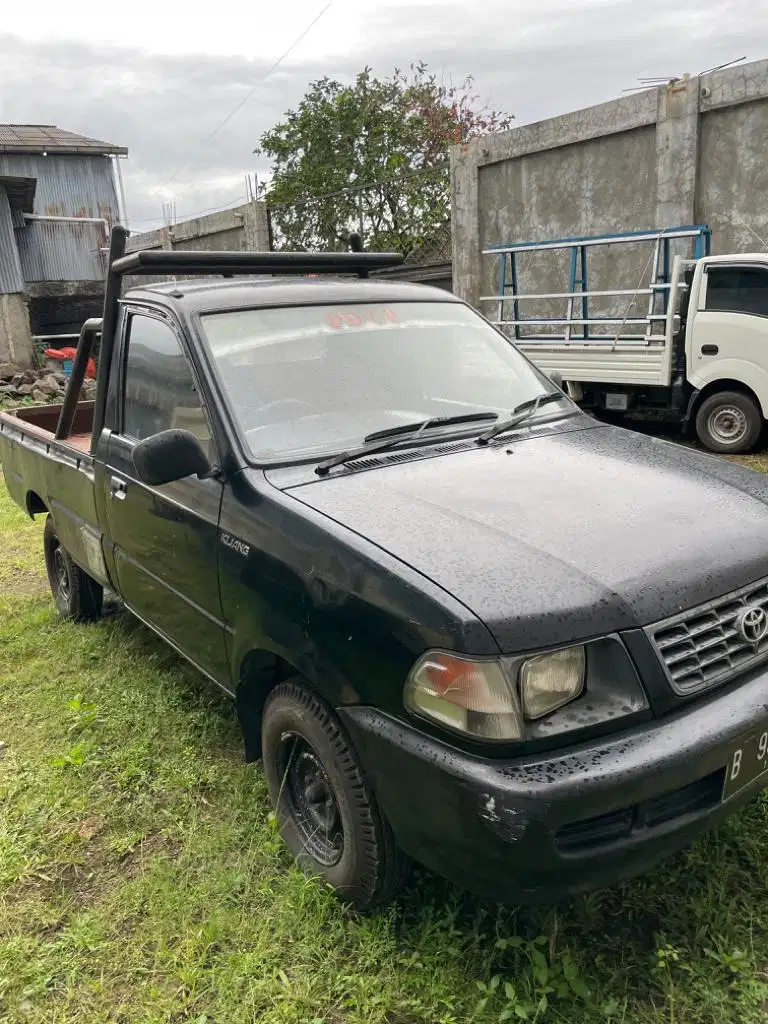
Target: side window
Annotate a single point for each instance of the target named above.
(159, 391)
(738, 290)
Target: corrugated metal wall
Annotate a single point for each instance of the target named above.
(11, 278)
(67, 186)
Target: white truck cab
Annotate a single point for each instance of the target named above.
(726, 349)
(697, 355)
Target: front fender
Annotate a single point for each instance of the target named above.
(745, 372)
(349, 617)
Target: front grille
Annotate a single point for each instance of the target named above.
(705, 646)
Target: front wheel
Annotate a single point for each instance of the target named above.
(75, 594)
(327, 814)
(729, 422)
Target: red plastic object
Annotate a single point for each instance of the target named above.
(63, 354)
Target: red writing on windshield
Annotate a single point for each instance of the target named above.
(374, 315)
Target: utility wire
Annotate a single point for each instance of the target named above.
(314, 197)
(248, 95)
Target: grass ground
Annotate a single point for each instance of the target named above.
(142, 879)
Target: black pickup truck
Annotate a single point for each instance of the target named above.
(462, 621)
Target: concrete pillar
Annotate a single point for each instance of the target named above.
(465, 227)
(255, 227)
(15, 337)
(677, 145)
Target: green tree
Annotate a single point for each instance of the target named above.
(373, 156)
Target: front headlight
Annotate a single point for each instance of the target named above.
(550, 680)
(518, 698)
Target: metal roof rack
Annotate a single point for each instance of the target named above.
(163, 262)
(146, 262)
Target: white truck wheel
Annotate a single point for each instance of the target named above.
(729, 422)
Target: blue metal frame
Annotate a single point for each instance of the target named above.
(704, 230)
(578, 244)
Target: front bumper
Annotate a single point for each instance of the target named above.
(536, 828)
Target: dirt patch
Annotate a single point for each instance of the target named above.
(22, 582)
(90, 827)
(94, 869)
(135, 861)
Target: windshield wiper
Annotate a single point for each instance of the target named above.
(520, 414)
(383, 439)
(435, 421)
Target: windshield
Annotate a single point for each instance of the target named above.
(308, 381)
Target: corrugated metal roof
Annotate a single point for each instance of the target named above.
(47, 138)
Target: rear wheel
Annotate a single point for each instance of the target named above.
(729, 422)
(75, 594)
(327, 814)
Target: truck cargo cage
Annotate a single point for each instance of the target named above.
(577, 322)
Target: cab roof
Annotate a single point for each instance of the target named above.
(198, 296)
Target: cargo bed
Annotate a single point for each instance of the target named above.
(41, 421)
(45, 474)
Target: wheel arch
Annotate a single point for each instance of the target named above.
(259, 673)
(725, 384)
(34, 504)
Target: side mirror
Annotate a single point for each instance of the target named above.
(557, 379)
(168, 456)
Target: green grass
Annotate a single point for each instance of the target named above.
(142, 879)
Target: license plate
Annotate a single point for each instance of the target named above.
(747, 762)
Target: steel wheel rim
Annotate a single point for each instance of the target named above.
(308, 796)
(61, 573)
(727, 424)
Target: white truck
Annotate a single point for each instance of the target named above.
(697, 354)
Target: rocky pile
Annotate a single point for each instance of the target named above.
(44, 387)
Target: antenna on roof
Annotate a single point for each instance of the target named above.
(355, 242)
(652, 83)
(728, 64)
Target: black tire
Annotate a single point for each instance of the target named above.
(76, 595)
(327, 814)
(729, 422)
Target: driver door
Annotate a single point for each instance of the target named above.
(165, 539)
(731, 325)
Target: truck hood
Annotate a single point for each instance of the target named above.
(564, 536)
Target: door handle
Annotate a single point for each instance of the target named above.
(117, 488)
(709, 350)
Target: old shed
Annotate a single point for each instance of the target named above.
(58, 200)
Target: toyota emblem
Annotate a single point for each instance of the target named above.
(752, 624)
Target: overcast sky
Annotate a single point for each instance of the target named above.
(158, 78)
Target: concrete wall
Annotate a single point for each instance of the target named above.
(691, 152)
(243, 229)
